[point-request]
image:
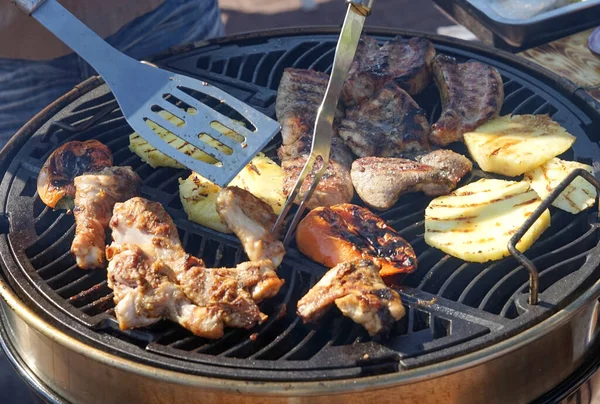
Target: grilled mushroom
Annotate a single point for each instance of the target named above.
(55, 182)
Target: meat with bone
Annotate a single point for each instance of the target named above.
(387, 125)
(356, 288)
(381, 181)
(251, 220)
(95, 196)
(227, 296)
(298, 98)
(472, 93)
(405, 61)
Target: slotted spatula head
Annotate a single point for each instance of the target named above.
(144, 92)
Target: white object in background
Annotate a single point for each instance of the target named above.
(309, 5)
(457, 31)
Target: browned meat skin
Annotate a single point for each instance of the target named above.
(298, 98)
(472, 93)
(387, 125)
(55, 181)
(251, 220)
(146, 291)
(95, 196)
(228, 296)
(359, 292)
(381, 181)
(405, 61)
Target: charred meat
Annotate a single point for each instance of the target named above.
(404, 61)
(227, 296)
(387, 125)
(298, 98)
(472, 93)
(251, 220)
(343, 233)
(359, 292)
(55, 181)
(95, 197)
(381, 181)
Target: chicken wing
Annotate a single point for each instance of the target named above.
(359, 292)
(95, 196)
(228, 296)
(251, 220)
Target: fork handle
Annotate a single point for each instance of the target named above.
(85, 42)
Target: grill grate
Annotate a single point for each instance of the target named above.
(453, 307)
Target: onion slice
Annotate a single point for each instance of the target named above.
(594, 41)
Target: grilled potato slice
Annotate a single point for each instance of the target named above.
(262, 177)
(511, 146)
(149, 154)
(578, 196)
(475, 222)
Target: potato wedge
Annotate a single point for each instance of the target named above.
(578, 196)
(262, 177)
(511, 146)
(475, 222)
(149, 154)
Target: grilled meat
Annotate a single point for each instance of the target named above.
(387, 125)
(55, 181)
(472, 93)
(342, 233)
(146, 291)
(298, 98)
(405, 61)
(227, 296)
(95, 196)
(251, 220)
(359, 292)
(381, 181)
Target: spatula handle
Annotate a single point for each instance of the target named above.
(85, 42)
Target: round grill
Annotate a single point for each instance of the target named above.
(453, 307)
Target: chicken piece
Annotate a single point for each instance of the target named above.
(472, 93)
(359, 292)
(298, 98)
(343, 233)
(381, 181)
(229, 296)
(251, 220)
(95, 197)
(404, 61)
(387, 125)
(55, 181)
(146, 291)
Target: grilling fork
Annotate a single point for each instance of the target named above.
(142, 91)
(357, 12)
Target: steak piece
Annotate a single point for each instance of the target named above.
(299, 95)
(359, 292)
(405, 61)
(472, 93)
(381, 181)
(387, 125)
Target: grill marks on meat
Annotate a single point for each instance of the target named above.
(151, 274)
(472, 93)
(359, 292)
(386, 125)
(251, 220)
(299, 95)
(405, 61)
(95, 197)
(381, 181)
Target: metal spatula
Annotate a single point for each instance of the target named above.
(142, 91)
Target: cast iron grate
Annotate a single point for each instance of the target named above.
(453, 307)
